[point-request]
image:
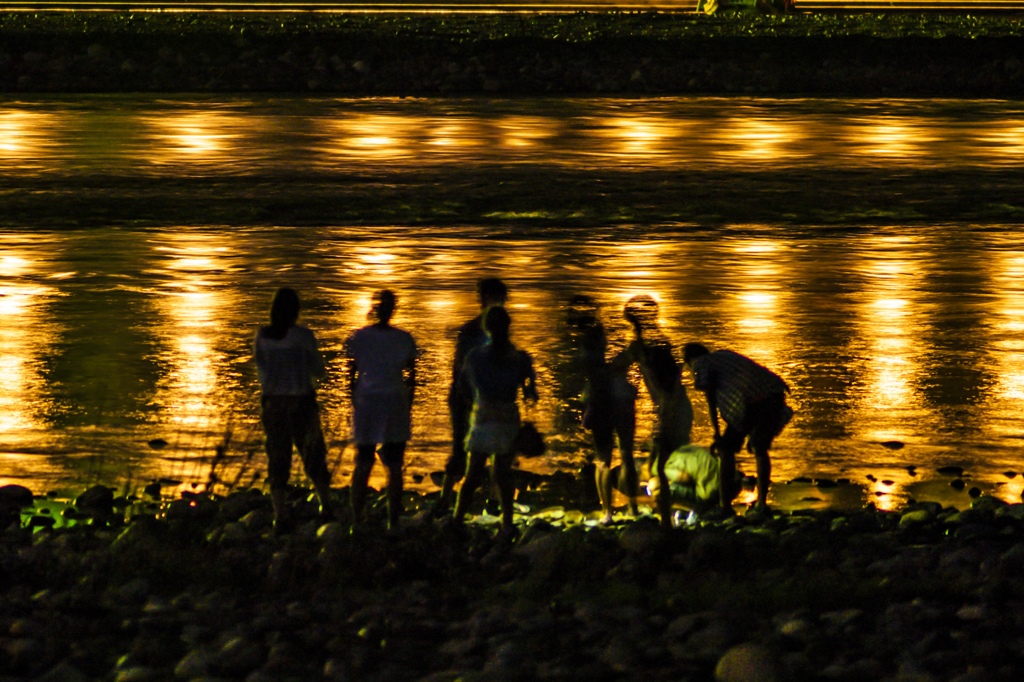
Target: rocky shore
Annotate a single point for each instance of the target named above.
(513, 54)
(200, 588)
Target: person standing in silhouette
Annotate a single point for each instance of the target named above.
(752, 402)
(651, 351)
(609, 412)
(287, 360)
(494, 373)
(492, 292)
(382, 378)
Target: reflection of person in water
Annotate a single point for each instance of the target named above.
(382, 371)
(652, 352)
(494, 373)
(492, 291)
(287, 359)
(609, 412)
(752, 402)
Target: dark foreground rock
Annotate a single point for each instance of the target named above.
(200, 588)
(585, 53)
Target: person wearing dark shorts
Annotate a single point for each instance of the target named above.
(287, 359)
(751, 400)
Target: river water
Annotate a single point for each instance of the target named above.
(124, 351)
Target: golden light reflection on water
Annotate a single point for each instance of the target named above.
(757, 139)
(890, 137)
(377, 136)
(198, 137)
(25, 138)
(1008, 327)
(25, 337)
(194, 311)
(1004, 142)
(524, 132)
(185, 137)
(760, 267)
(891, 325)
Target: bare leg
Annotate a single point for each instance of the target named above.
(455, 469)
(603, 478)
(474, 476)
(726, 476)
(764, 476)
(506, 488)
(360, 480)
(626, 431)
(323, 492)
(664, 500)
(278, 497)
(391, 455)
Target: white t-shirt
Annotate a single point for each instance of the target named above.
(380, 354)
(287, 366)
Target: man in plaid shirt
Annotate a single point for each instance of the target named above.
(751, 400)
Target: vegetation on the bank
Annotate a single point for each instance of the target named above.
(579, 27)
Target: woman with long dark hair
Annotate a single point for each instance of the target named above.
(287, 360)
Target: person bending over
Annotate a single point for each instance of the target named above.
(751, 400)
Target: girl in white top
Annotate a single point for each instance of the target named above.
(382, 373)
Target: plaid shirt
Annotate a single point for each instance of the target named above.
(736, 380)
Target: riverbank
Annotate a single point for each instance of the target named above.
(200, 588)
(513, 54)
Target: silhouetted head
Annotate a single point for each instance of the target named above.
(492, 291)
(582, 311)
(594, 343)
(284, 309)
(496, 324)
(284, 312)
(641, 311)
(694, 350)
(383, 305)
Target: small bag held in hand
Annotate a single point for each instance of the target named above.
(529, 441)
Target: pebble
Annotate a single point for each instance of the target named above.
(747, 663)
(157, 599)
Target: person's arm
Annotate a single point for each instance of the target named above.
(315, 365)
(410, 374)
(352, 370)
(713, 411)
(627, 357)
(529, 378)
